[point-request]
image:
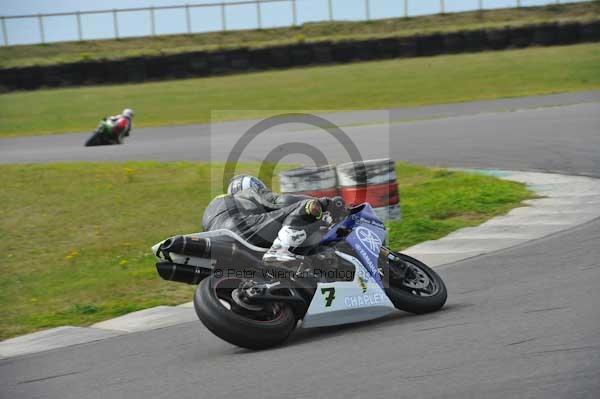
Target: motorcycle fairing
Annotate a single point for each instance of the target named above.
(367, 234)
(343, 302)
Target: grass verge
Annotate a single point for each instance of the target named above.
(76, 237)
(57, 53)
(368, 85)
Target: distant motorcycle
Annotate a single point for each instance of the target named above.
(349, 277)
(103, 135)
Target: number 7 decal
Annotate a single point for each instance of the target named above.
(329, 294)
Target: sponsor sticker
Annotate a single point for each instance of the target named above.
(362, 283)
(358, 301)
(369, 240)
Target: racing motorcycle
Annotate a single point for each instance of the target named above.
(350, 276)
(102, 135)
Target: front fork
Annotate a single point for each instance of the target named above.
(400, 269)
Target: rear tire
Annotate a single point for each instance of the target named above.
(405, 297)
(236, 328)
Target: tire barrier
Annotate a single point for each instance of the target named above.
(454, 43)
(497, 39)
(318, 181)
(150, 68)
(372, 181)
(545, 35)
(431, 45)
(521, 37)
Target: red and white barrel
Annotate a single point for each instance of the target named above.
(372, 181)
(318, 181)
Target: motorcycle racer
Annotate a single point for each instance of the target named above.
(286, 223)
(119, 126)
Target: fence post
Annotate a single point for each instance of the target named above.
(367, 10)
(442, 7)
(518, 3)
(258, 15)
(188, 19)
(79, 31)
(4, 34)
(116, 23)
(330, 7)
(405, 8)
(294, 14)
(41, 23)
(152, 26)
(223, 17)
(480, 2)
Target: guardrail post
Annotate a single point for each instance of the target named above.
(4, 34)
(405, 8)
(188, 19)
(223, 17)
(79, 31)
(152, 26)
(367, 10)
(294, 14)
(330, 8)
(442, 7)
(116, 23)
(258, 15)
(41, 24)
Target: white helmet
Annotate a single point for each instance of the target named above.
(127, 113)
(244, 182)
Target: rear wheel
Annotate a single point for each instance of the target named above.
(419, 290)
(219, 307)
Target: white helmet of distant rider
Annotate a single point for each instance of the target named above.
(127, 113)
(244, 182)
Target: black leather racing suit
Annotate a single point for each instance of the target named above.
(258, 216)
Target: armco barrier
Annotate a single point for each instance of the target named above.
(139, 69)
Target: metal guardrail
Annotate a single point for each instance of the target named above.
(481, 5)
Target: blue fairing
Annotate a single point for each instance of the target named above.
(366, 238)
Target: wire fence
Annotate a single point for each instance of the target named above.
(147, 26)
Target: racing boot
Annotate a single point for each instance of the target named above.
(296, 228)
(287, 238)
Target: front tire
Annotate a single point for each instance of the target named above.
(422, 292)
(217, 310)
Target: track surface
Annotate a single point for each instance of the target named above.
(523, 322)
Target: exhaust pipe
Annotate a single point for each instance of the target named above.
(185, 245)
(181, 273)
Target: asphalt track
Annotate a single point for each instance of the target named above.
(522, 322)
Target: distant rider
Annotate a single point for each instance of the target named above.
(285, 223)
(120, 126)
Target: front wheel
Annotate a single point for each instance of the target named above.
(420, 291)
(95, 140)
(219, 308)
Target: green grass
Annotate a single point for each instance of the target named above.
(75, 238)
(368, 85)
(47, 54)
